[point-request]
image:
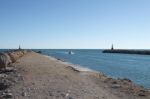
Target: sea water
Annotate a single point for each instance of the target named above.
(134, 67)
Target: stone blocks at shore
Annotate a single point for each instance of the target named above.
(10, 57)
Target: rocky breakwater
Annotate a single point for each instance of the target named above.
(126, 51)
(121, 87)
(8, 73)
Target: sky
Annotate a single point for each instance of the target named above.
(75, 24)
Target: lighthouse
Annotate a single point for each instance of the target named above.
(112, 47)
(19, 47)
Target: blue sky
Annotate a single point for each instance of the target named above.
(75, 23)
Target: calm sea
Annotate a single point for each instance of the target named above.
(134, 67)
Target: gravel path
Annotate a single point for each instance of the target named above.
(49, 78)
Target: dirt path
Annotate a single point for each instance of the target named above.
(48, 78)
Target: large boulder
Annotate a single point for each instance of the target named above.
(19, 53)
(16, 54)
(24, 51)
(13, 56)
(4, 60)
(8, 57)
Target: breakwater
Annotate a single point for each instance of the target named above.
(11, 56)
(121, 51)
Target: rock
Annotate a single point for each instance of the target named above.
(114, 82)
(107, 79)
(67, 94)
(8, 95)
(63, 95)
(126, 79)
(71, 98)
(8, 57)
(3, 85)
(7, 91)
(4, 60)
(3, 75)
(50, 94)
(39, 52)
(142, 94)
(24, 51)
(16, 55)
(9, 69)
(24, 94)
(13, 56)
(115, 86)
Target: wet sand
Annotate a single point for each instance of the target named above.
(49, 78)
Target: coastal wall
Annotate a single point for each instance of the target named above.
(9, 57)
(140, 52)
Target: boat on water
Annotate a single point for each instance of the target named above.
(71, 53)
